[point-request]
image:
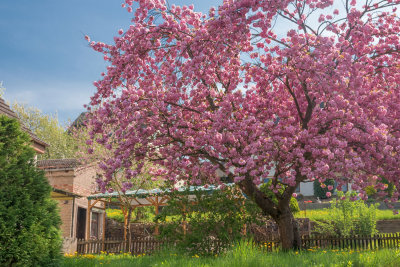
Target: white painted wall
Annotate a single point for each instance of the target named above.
(307, 188)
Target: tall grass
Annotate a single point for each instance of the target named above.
(245, 254)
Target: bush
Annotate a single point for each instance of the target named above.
(217, 216)
(349, 218)
(265, 188)
(321, 191)
(29, 220)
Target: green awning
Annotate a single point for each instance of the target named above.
(141, 193)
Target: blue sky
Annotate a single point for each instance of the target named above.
(45, 61)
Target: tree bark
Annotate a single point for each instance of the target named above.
(288, 230)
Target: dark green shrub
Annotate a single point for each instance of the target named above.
(29, 220)
(294, 205)
(391, 187)
(321, 192)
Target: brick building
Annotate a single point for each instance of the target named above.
(73, 183)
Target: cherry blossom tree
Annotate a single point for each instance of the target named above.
(292, 90)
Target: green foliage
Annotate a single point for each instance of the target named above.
(391, 187)
(29, 220)
(48, 129)
(320, 191)
(294, 205)
(348, 218)
(141, 214)
(217, 216)
(371, 191)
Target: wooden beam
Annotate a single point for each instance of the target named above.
(156, 231)
(153, 203)
(94, 203)
(163, 199)
(104, 228)
(88, 211)
(124, 211)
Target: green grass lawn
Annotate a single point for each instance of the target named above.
(323, 214)
(245, 255)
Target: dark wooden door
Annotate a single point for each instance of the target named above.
(81, 223)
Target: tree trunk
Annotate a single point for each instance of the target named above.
(288, 230)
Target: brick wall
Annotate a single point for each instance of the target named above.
(61, 179)
(115, 229)
(81, 181)
(84, 181)
(65, 208)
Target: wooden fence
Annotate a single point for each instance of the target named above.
(150, 244)
(352, 242)
(110, 245)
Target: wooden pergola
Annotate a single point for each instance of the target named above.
(141, 198)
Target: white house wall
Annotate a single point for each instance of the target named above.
(307, 188)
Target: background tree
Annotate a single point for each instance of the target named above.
(2, 89)
(29, 220)
(317, 97)
(47, 128)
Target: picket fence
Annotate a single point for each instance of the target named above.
(111, 245)
(150, 244)
(357, 242)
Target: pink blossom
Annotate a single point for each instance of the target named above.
(328, 194)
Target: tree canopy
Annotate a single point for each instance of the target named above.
(293, 90)
(47, 128)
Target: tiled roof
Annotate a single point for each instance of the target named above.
(58, 164)
(6, 110)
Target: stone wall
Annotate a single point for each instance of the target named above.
(69, 245)
(115, 229)
(388, 226)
